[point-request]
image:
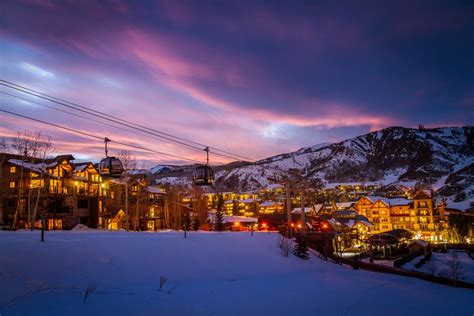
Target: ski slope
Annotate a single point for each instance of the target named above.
(207, 274)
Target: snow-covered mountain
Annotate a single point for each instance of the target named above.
(440, 157)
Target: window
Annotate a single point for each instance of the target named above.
(150, 225)
(112, 194)
(12, 184)
(12, 169)
(422, 204)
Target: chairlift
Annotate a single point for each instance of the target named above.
(110, 167)
(204, 175)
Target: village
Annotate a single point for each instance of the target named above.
(66, 194)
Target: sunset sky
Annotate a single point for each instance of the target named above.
(257, 78)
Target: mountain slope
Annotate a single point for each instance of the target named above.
(437, 157)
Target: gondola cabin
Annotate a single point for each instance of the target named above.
(110, 167)
(203, 175)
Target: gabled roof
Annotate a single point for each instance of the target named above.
(155, 190)
(388, 201)
(297, 210)
(426, 193)
(344, 205)
(60, 158)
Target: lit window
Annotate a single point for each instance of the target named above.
(112, 194)
(12, 184)
(12, 169)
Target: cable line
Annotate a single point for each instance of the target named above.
(97, 137)
(75, 114)
(167, 136)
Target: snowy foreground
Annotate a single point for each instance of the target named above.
(207, 274)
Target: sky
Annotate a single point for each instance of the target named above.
(255, 78)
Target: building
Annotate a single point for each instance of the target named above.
(270, 207)
(423, 214)
(65, 193)
(147, 208)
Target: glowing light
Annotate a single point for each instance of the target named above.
(102, 185)
(299, 225)
(325, 226)
(237, 224)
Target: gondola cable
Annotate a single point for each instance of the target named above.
(127, 123)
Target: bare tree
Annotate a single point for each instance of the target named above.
(4, 149)
(45, 150)
(26, 146)
(456, 269)
(129, 164)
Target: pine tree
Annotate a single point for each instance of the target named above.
(301, 249)
(187, 221)
(196, 224)
(219, 219)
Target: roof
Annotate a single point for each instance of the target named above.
(81, 166)
(388, 201)
(60, 158)
(390, 237)
(270, 204)
(297, 210)
(343, 205)
(35, 167)
(344, 213)
(318, 207)
(155, 190)
(233, 219)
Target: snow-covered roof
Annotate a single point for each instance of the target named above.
(240, 219)
(297, 210)
(81, 167)
(155, 190)
(247, 201)
(318, 207)
(270, 204)
(388, 201)
(344, 205)
(36, 167)
(233, 219)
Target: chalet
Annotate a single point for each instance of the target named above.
(65, 193)
(423, 214)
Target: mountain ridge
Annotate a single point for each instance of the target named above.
(396, 154)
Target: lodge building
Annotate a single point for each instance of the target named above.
(70, 193)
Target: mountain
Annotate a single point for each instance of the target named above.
(442, 158)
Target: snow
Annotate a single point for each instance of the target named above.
(297, 210)
(207, 274)
(389, 202)
(155, 190)
(82, 227)
(270, 204)
(442, 260)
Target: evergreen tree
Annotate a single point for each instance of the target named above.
(187, 221)
(196, 224)
(219, 219)
(301, 249)
(235, 208)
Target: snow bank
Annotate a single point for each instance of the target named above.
(81, 227)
